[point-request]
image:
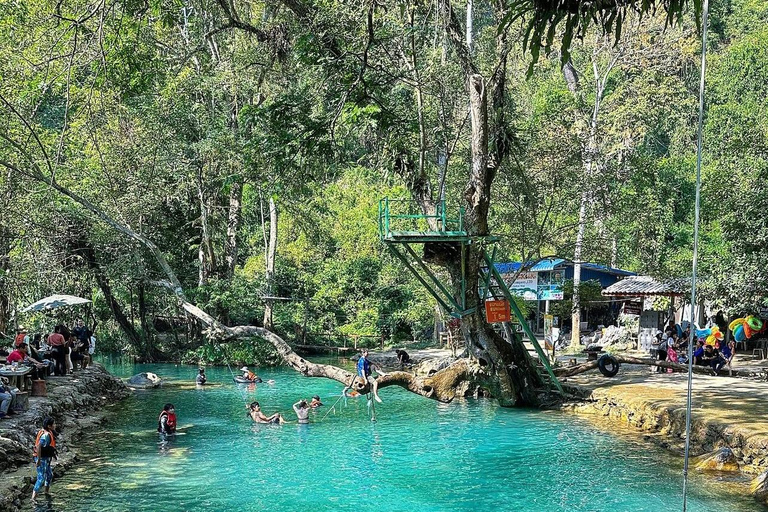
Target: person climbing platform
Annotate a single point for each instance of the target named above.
(364, 368)
(301, 408)
(254, 411)
(44, 453)
(166, 422)
(201, 379)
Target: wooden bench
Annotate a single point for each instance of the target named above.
(19, 379)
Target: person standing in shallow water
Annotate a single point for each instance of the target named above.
(45, 451)
(166, 423)
(201, 379)
(301, 408)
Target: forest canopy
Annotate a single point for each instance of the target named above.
(252, 141)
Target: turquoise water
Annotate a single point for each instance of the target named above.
(418, 456)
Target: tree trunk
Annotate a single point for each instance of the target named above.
(270, 264)
(6, 304)
(88, 253)
(576, 311)
(149, 348)
(512, 371)
(233, 225)
(5, 268)
(205, 250)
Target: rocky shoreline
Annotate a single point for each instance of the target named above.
(76, 402)
(715, 447)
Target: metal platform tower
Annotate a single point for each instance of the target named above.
(402, 226)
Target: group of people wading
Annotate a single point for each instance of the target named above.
(167, 421)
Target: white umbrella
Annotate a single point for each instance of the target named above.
(55, 301)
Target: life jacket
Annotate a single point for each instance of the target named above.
(171, 422)
(251, 376)
(50, 448)
(19, 339)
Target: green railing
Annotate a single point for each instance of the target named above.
(403, 215)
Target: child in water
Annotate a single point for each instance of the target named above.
(166, 422)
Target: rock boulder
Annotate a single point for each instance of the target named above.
(144, 380)
(722, 459)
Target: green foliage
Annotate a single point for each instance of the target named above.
(147, 113)
(590, 297)
(543, 21)
(251, 352)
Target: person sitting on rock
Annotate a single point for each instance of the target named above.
(698, 353)
(728, 352)
(710, 355)
(44, 452)
(254, 411)
(201, 379)
(166, 422)
(720, 360)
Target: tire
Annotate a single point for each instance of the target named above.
(608, 365)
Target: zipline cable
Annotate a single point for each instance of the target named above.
(704, 20)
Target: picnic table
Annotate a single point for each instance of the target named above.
(19, 378)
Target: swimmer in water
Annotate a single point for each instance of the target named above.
(254, 411)
(302, 411)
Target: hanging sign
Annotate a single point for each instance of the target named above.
(497, 311)
(526, 285)
(632, 308)
(548, 321)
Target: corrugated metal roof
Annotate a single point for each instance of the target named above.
(552, 263)
(608, 270)
(638, 286)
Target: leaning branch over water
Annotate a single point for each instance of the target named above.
(441, 386)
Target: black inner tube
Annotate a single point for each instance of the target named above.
(608, 365)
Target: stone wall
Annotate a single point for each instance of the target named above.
(75, 402)
(714, 446)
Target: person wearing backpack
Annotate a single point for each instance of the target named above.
(44, 453)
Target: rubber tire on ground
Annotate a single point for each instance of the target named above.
(608, 365)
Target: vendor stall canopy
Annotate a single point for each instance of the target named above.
(642, 286)
(55, 301)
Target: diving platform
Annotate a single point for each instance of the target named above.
(402, 226)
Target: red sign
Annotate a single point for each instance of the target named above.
(497, 311)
